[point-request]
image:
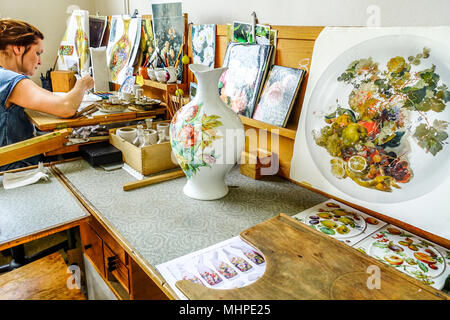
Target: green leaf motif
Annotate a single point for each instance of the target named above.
(432, 138)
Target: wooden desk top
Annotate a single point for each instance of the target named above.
(46, 122)
(37, 210)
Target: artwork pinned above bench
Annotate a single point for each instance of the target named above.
(373, 128)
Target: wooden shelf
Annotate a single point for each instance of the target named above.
(284, 132)
(163, 86)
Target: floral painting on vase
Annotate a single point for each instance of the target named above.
(168, 30)
(240, 84)
(192, 135)
(204, 44)
(278, 95)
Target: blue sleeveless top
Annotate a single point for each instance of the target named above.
(14, 123)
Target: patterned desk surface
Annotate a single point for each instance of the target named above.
(36, 208)
(160, 223)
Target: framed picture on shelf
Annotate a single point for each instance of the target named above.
(278, 95)
(240, 84)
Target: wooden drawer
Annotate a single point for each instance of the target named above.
(92, 246)
(109, 240)
(116, 268)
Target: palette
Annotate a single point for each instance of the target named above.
(226, 265)
(340, 221)
(410, 254)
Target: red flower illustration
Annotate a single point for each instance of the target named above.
(188, 136)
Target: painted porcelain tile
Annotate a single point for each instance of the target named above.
(220, 266)
(411, 254)
(160, 223)
(340, 221)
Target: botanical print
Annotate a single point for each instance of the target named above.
(242, 32)
(410, 254)
(192, 136)
(97, 26)
(121, 50)
(204, 44)
(366, 138)
(168, 30)
(240, 84)
(146, 46)
(74, 48)
(262, 34)
(278, 95)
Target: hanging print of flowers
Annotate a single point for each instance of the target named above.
(204, 44)
(192, 135)
(367, 138)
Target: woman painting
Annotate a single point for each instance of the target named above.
(21, 48)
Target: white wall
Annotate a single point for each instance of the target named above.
(308, 12)
(50, 15)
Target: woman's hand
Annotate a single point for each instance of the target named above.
(85, 83)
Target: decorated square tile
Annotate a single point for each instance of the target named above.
(418, 258)
(340, 221)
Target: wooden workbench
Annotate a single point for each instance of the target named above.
(148, 226)
(46, 122)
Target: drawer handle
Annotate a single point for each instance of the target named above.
(112, 266)
(112, 259)
(88, 246)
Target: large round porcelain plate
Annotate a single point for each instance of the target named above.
(426, 171)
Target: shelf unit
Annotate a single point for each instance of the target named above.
(294, 45)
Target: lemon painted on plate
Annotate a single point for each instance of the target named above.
(357, 163)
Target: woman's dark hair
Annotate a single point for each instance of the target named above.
(19, 33)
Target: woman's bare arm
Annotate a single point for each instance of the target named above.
(29, 95)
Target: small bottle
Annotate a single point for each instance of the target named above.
(186, 275)
(254, 256)
(222, 267)
(139, 140)
(237, 261)
(211, 277)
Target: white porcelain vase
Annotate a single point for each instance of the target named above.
(207, 137)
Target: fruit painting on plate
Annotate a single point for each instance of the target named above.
(410, 254)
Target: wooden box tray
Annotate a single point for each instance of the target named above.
(145, 160)
(302, 263)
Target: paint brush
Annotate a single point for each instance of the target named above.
(178, 56)
(159, 57)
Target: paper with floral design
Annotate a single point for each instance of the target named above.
(204, 44)
(240, 84)
(279, 95)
